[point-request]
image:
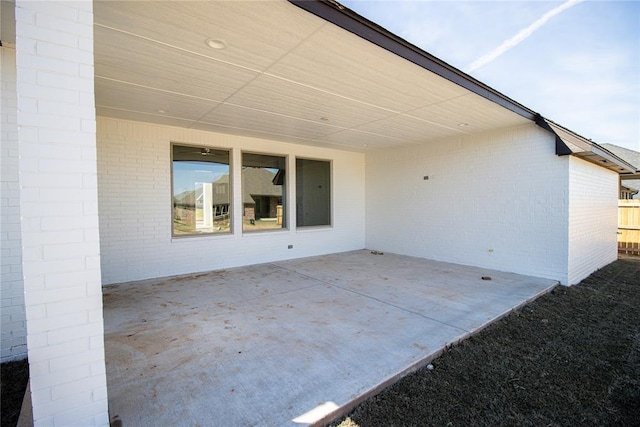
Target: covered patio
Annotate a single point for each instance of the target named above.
(290, 342)
(375, 144)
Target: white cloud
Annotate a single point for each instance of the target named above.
(520, 36)
(582, 69)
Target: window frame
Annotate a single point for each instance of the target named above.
(231, 209)
(285, 196)
(331, 194)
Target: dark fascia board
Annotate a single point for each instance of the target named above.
(349, 20)
(345, 18)
(585, 148)
(562, 149)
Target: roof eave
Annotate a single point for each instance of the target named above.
(345, 18)
(629, 170)
(349, 20)
(562, 149)
(570, 143)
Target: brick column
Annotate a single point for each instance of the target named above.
(59, 208)
(12, 322)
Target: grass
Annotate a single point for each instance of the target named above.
(572, 357)
(13, 382)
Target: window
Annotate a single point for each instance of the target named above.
(263, 192)
(313, 192)
(201, 191)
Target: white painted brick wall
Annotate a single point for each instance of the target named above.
(134, 169)
(58, 204)
(497, 200)
(13, 341)
(593, 218)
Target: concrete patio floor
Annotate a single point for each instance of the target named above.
(285, 343)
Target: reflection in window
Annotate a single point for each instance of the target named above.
(201, 191)
(313, 192)
(263, 192)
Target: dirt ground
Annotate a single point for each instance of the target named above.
(13, 382)
(572, 357)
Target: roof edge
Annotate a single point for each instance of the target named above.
(562, 149)
(565, 140)
(570, 143)
(608, 155)
(347, 19)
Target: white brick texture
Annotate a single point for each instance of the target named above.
(593, 218)
(13, 340)
(497, 200)
(134, 166)
(86, 204)
(59, 222)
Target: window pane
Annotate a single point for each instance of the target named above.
(263, 192)
(201, 191)
(313, 192)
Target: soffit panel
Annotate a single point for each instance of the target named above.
(408, 129)
(337, 61)
(124, 58)
(123, 96)
(282, 71)
(252, 133)
(361, 141)
(255, 33)
(247, 119)
(601, 161)
(160, 119)
(471, 111)
(278, 96)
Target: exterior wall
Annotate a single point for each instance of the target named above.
(135, 205)
(249, 211)
(497, 200)
(593, 218)
(14, 330)
(59, 215)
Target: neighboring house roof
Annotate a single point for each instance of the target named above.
(189, 197)
(629, 188)
(255, 182)
(630, 156)
(258, 182)
(631, 182)
(569, 142)
(185, 198)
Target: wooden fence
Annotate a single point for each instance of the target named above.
(629, 227)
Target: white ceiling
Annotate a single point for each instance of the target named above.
(285, 74)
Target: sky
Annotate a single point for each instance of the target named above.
(187, 176)
(576, 62)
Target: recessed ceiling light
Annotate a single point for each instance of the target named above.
(324, 118)
(161, 111)
(365, 145)
(463, 125)
(215, 43)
